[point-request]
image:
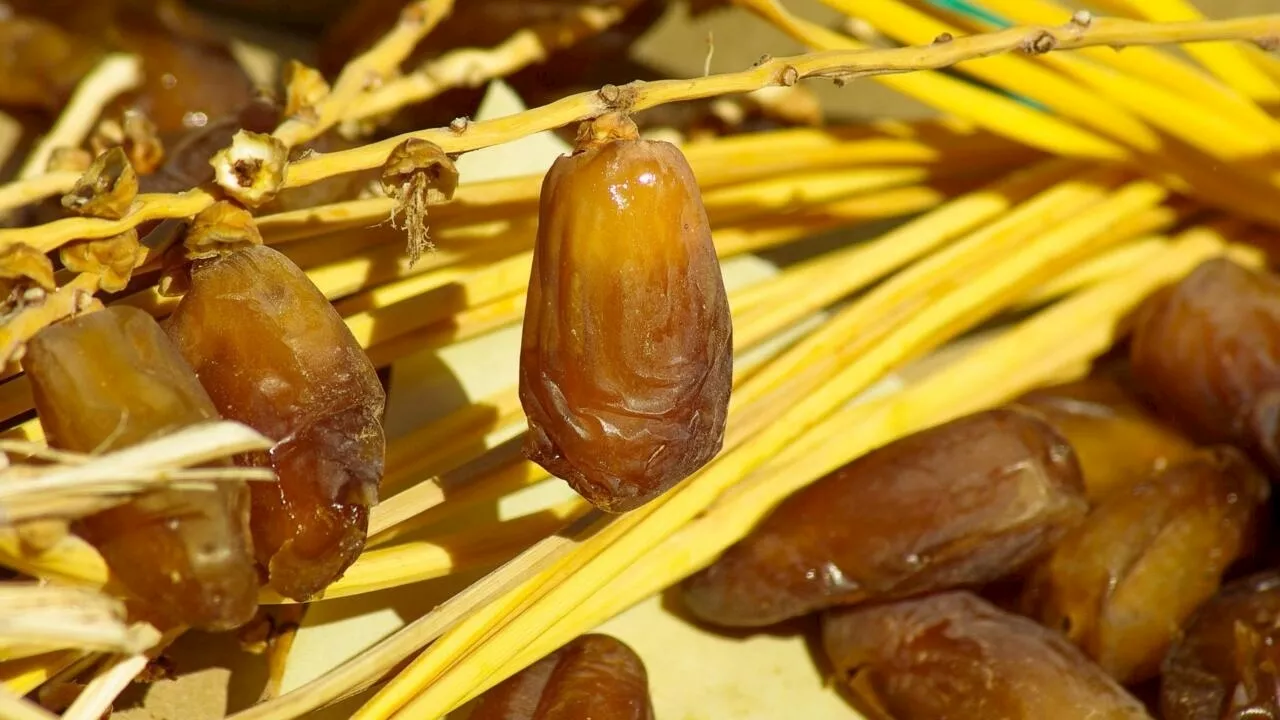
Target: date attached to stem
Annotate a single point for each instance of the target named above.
(626, 362)
(276, 356)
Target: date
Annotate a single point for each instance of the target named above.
(1207, 351)
(1122, 584)
(1117, 441)
(111, 379)
(964, 503)
(593, 677)
(626, 361)
(276, 356)
(1227, 664)
(954, 656)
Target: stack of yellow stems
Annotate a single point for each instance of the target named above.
(1083, 238)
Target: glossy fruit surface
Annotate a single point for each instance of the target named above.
(955, 657)
(111, 379)
(627, 357)
(1122, 584)
(592, 678)
(963, 503)
(275, 355)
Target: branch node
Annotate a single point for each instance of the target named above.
(136, 134)
(219, 229)
(789, 76)
(113, 258)
(943, 39)
(252, 169)
(605, 129)
(417, 174)
(107, 188)
(1270, 43)
(610, 94)
(460, 125)
(1082, 18)
(26, 277)
(1040, 43)
(765, 58)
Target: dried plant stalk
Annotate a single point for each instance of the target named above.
(48, 617)
(114, 74)
(419, 560)
(371, 67)
(1167, 110)
(79, 488)
(1229, 64)
(95, 700)
(837, 64)
(472, 67)
(20, 193)
(75, 296)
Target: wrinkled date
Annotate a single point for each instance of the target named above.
(275, 355)
(627, 357)
(1207, 351)
(594, 677)
(1122, 584)
(1117, 442)
(1227, 664)
(963, 503)
(112, 379)
(955, 656)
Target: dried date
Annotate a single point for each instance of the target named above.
(275, 355)
(1117, 441)
(964, 503)
(594, 676)
(626, 362)
(111, 379)
(1123, 583)
(955, 657)
(1207, 351)
(1227, 664)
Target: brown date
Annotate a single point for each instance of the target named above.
(189, 73)
(111, 379)
(188, 82)
(1227, 664)
(627, 356)
(1123, 583)
(275, 355)
(594, 676)
(1207, 351)
(1117, 442)
(956, 657)
(963, 503)
(41, 62)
